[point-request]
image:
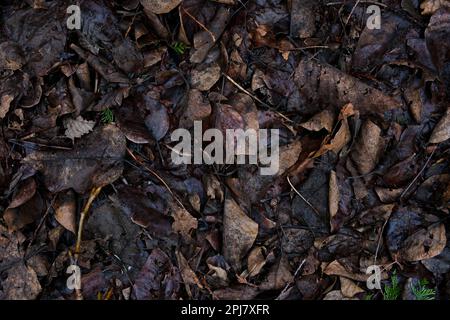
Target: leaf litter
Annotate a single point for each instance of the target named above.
(87, 117)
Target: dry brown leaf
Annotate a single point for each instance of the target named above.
(322, 84)
(335, 295)
(322, 120)
(213, 187)
(25, 192)
(429, 7)
(205, 76)
(255, 261)
(348, 288)
(339, 141)
(27, 213)
(76, 128)
(279, 276)
(425, 243)
(160, 6)
(239, 233)
(336, 269)
(198, 108)
(367, 147)
(184, 221)
(441, 132)
(5, 104)
(21, 283)
(188, 275)
(206, 39)
(388, 195)
(66, 210)
(95, 160)
(239, 292)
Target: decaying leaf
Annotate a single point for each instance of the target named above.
(431, 6)
(204, 76)
(324, 85)
(188, 275)
(425, 243)
(95, 160)
(184, 222)
(279, 276)
(322, 120)
(66, 210)
(239, 233)
(255, 261)
(348, 288)
(160, 6)
(441, 132)
(22, 283)
(158, 278)
(367, 148)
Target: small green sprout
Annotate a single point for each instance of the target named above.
(179, 47)
(421, 292)
(107, 116)
(392, 292)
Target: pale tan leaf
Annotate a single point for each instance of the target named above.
(425, 244)
(66, 210)
(255, 261)
(367, 148)
(429, 7)
(442, 130)
(5, 105)
(348, 288)
(322, 120)
(76, 128)
(184, 221)
(160, 6)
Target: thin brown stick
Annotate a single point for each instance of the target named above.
(419, 174)
(199, 23)
(351, 12)
(41, 223)
(157, 177)
(254, 97)
(302, 197)
(84, 213)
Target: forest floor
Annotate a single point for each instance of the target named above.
(93, 205)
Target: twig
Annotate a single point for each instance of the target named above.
(351, 12)
(293, 279)
(199, 23)
(254, 97)
(93, 195)
(379, 241)
(309, 47)
(303, 198)
(41, 223)
(157, 176)
(419, 174)
(364, 2)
